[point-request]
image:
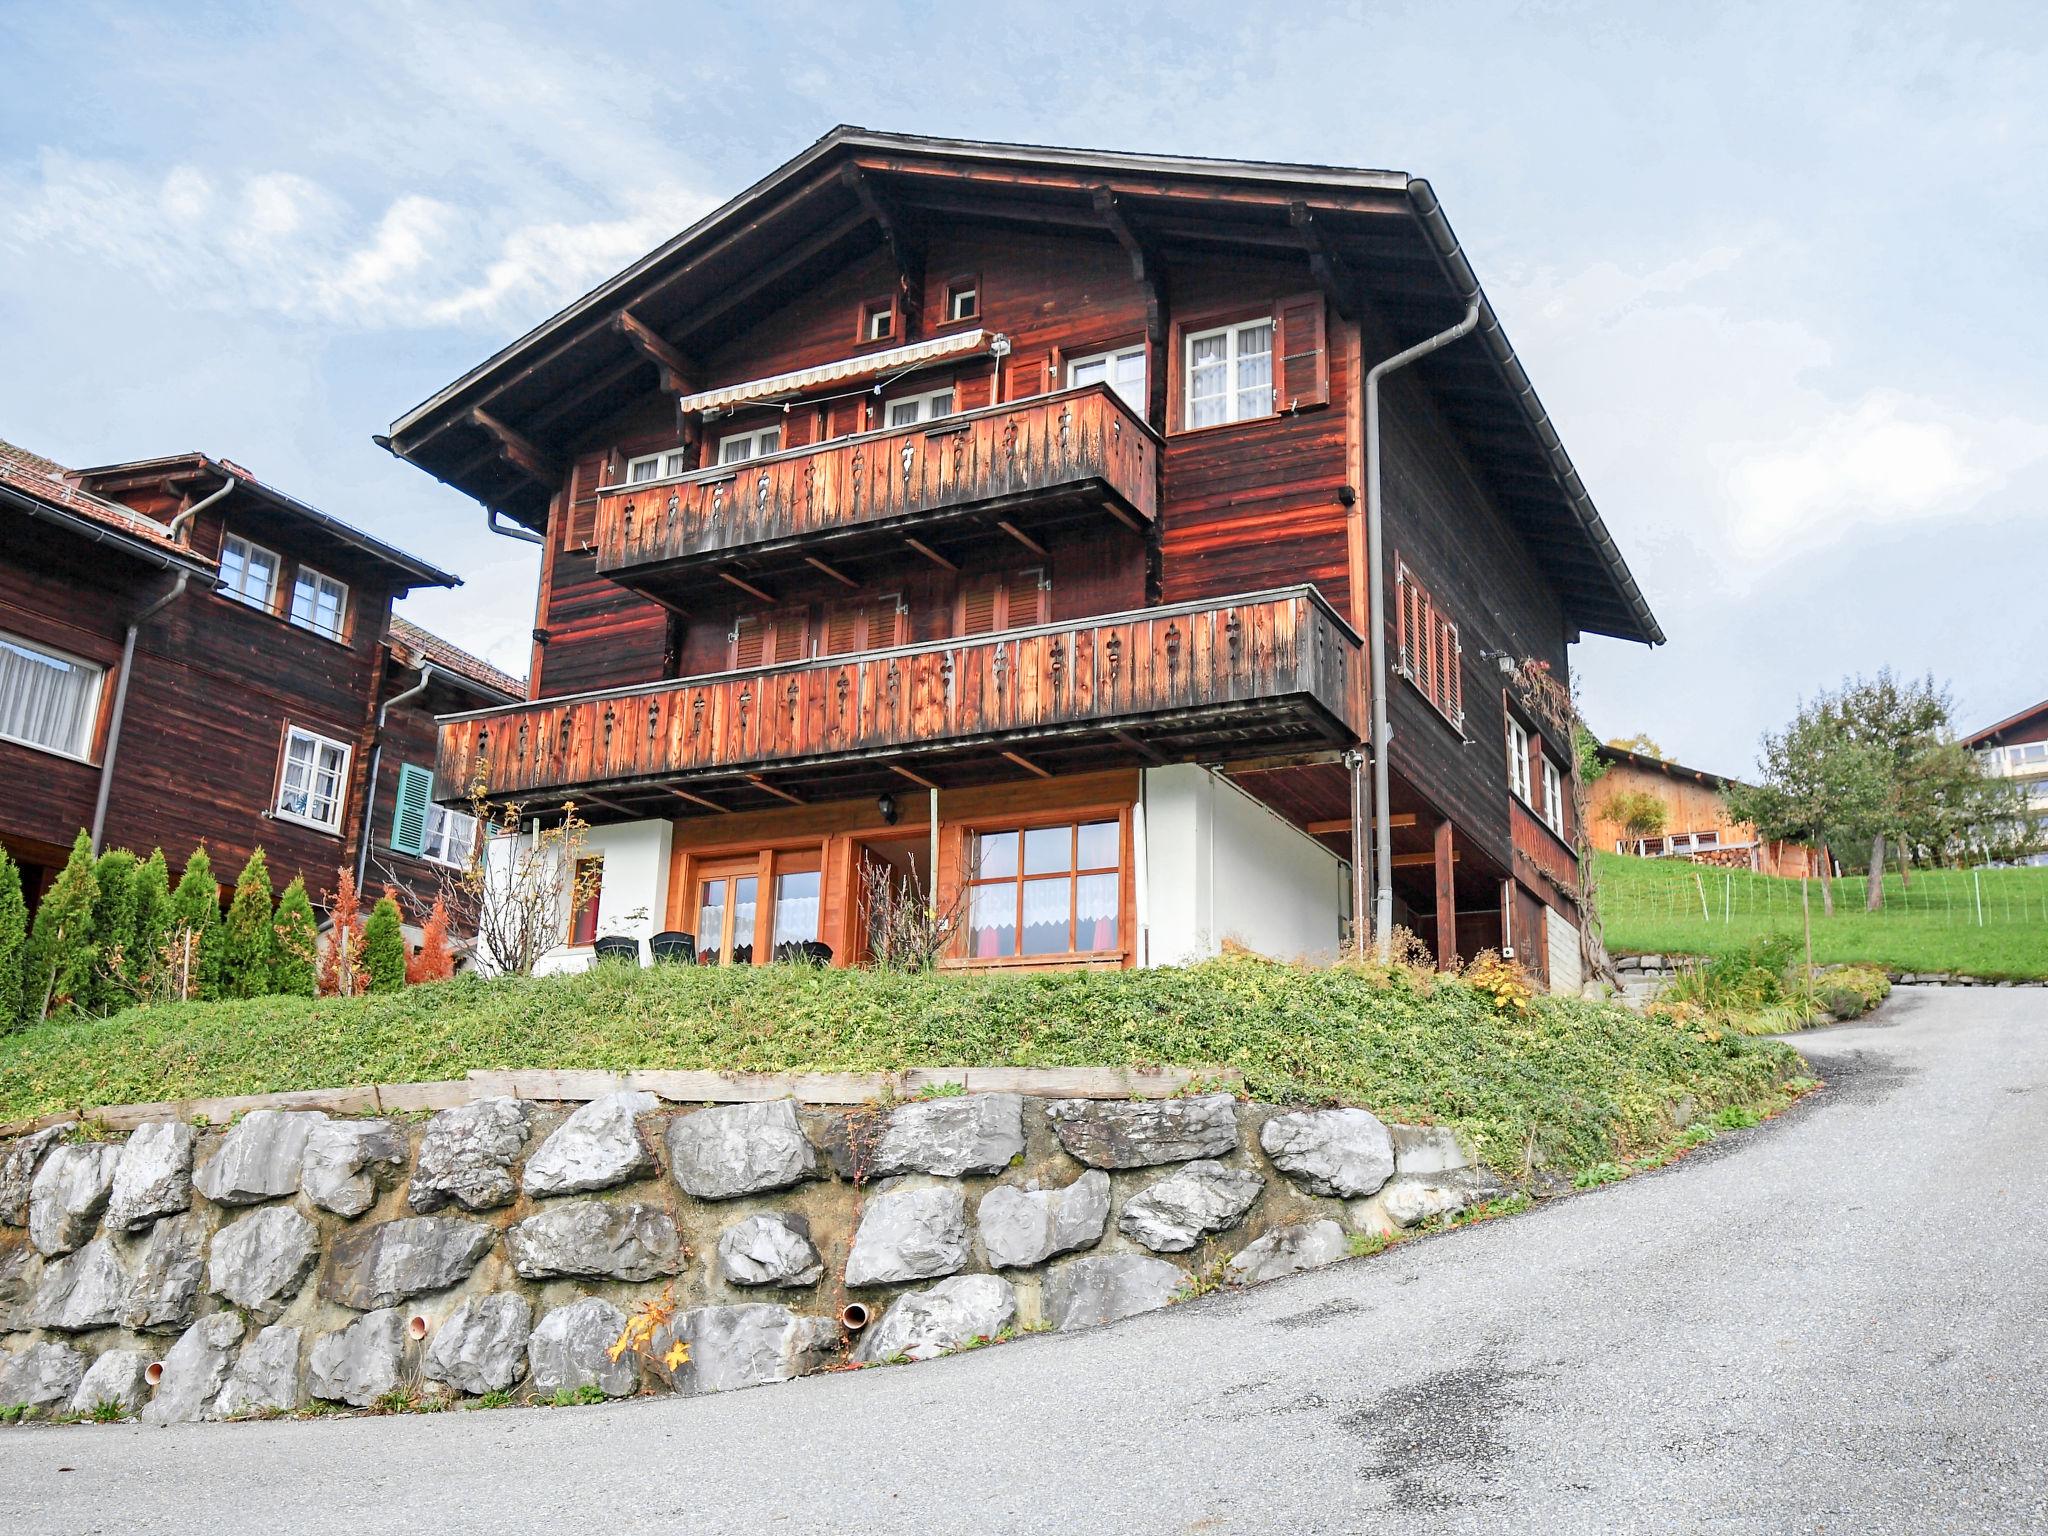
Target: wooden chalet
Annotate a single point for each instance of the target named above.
(2017, 748)
(189, 655)
(1000, 515)
(1697, 825)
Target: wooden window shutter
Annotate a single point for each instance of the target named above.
(885, 623)
(1404, 627)
(1024, 377)
(978, 606)
(580, 531)
(1457, 692)
(971, 394)
(749, 641)
(1302, 377)
(788, 643)
(1024, 598)
(843, 627)
(409, 814)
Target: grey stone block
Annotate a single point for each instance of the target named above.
(168, 1270)
(118, 1377)
(944, 1317)
(1289, 1251)
(359, 1363)
(973, 1133)
(380, 1266)
(622, 1241)
(769, 1249)
(265, 1377)
(194, 1371)
(1178, 1211)
(482, 1346)
(84, 1290)
(259, 1262)
(1341, 1152)
(740, 1149)
(467, 1156)
(571, 1348)
(915, 1233)
(1414, 1198)
(751, 1345)
(70, 1190)
(347, 1162)
(597, 1147)
(1025, 1227)
(1124, 1133)
(19, 1160)
(1104, 1288)
(153, 1176)
(1427, 1149)
(259, 1158)
(44, 1375)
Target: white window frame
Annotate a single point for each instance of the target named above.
(665, 465)
(1109, 360)
(296, 733)
(449, 832)
(98, 674)
(751, 445)
(968, 288)
(1233, 356)
(922, 408)
(1518, 759)
(237, 591)
(877, 321)
(320, 581)
(1553, 797)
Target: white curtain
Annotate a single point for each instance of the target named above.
(47, 700)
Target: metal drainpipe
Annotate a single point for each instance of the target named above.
(107, 758)
(1376, 637)
(177, 525)
(377, 762)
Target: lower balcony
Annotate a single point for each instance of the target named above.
(1258, 675)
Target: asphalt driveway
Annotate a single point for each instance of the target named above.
(1834, 1323)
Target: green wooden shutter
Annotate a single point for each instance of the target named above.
(409, 815)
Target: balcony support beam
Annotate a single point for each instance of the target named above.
(778, 792)
(1027, 765)
(709, 805)
(748, 587)
(1108, 209)
(1021, 537)
(932, 555)
(831, 570)
(916, 778)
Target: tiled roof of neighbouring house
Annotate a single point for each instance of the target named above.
(33, 475)
(428, 646)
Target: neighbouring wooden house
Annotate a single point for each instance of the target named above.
(999, 518)
(1696, 824)
(2017, 748)
(189, 655)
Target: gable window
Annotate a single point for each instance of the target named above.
(319, 603)
(48, 699)
(1553, 797)
(248, 573)
(1122, 370)
(963, 299)
(1429, 654)
(1518, 760)
(878, 320)
(742, 446)
(1003, 600)
(912, 409)
(314, 781)
(1230, 373)
(656, 466)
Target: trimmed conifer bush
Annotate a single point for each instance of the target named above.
(113, 930)
(384, 944)
(60, 947)
(143, 964)
(295, 964)
(248, 942)
(13, 942)
(193, 930)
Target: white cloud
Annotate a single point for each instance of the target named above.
(280, 243)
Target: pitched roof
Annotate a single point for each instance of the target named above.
(425, 645)
(1986, 737)
(1380, 236)
(47, 481)
(422, 574)
(1621, 757)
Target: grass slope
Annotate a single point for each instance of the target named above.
(1656, 905)
(1577, 1082)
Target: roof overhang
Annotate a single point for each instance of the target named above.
(1990, 733)
(412, 571)
(149, 551)
(1379, 237)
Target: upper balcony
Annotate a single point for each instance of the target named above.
(1004, 472)
(1266, 673)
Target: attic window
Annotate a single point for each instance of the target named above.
(963, 299)
(877, 320)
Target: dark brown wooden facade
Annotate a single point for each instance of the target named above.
(193, 748)
(885, 596)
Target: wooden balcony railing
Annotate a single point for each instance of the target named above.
(1082, 445)
(1253, 673)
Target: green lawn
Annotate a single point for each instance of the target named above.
(1577, 1082)
(1992, 922)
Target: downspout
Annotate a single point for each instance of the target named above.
(1376, 630)
(510, 530)
(377, 762)
(177, 525)
(107, 758)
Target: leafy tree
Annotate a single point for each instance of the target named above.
(1640, 813)
(193, 929)
(61, 951)
(144, 963)
(1819, 785)
(295, 967)
(248, 946)
(1641, 745)
(13, 943)
(384, 944)
(433, 960)
(113, 929)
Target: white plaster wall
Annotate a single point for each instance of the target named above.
(1218, 865)
(1565, 977)
(634, 897)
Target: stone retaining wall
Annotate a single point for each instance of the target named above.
(188, 1273)
(1643, 976)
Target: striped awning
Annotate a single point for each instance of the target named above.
(867, 365)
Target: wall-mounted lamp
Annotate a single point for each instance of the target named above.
(885, 803)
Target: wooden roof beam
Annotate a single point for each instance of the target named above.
(1027, 765)
(1143, 259)
(932, 555)
(904, 247)
(771, 789)
(916, 778)
(708, 804)
(678, 373)
(704, 315)
(1331, 273)
(1022, 537)
(516, 449)
(747, 587)
(830, 570)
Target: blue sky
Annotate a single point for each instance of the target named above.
(1777, 271)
